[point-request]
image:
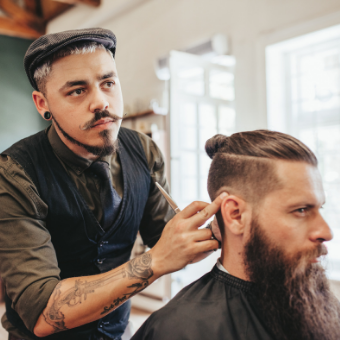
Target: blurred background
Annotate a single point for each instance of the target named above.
(190, 69)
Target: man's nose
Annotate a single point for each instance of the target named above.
(321, 231)
(98, 101)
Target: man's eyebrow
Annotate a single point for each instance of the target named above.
(111, 74)
(73, 83)
(304, 204)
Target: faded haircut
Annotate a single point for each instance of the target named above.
(83, 47)
(244, 162)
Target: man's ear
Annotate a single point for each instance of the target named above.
(235, 213)
(40, 102)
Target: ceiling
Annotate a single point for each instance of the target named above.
(28, 18)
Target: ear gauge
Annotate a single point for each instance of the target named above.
(47, 115)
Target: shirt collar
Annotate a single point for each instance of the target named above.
(219, 265)
(77, 163)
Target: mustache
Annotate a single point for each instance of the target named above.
(319, 250)
(324, 250)
(98, 115)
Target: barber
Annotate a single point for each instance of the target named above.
(74, 196)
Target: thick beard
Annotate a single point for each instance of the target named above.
(108, 147)
(293, 294)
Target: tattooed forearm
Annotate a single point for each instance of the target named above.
(137, 268)
(53, 316)
(140, 267)
(74, 296)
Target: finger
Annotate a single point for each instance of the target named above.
(216, 229)
(202, 235)
(205, 246)
(202, 256)
(210, 210)
(192, 209)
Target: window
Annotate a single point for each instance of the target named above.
(201, 105)
(303, 94)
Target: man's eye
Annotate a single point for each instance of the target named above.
(109, 84)
(76, 92)
(301, 210)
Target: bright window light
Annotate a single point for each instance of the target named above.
(303, 99)
(201, 105)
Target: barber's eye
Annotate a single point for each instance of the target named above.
(301, 210)
(109, 84)
(76, 92)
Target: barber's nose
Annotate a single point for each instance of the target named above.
(321, 232)
(98, 101)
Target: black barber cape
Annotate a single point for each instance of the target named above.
(217, 306)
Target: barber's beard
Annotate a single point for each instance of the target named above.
(293, 294)
(107, 148)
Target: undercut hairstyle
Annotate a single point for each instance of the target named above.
(244, 163)
(42, 72)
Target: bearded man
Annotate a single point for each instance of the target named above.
(74, 196)
(268, 283)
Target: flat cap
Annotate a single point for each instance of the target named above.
(48, 44)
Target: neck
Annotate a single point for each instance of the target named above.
(232, 258)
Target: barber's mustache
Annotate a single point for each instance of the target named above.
(98, 115)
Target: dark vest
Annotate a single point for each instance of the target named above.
(82, 247)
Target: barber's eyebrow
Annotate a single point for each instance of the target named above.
(73, 83)
(111, 74)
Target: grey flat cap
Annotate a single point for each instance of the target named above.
(48, 44)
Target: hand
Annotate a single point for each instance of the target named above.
(181, 241)
(216, 229)
(216, 233)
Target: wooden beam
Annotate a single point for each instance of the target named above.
(94, 3)
(21, 16)
(31, 6)
(10, 27)
(51, 9)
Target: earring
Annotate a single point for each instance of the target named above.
(47, 115)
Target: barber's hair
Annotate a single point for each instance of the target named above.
(243, 163)
(83, 47)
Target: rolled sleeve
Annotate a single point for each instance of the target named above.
(28, 263)
(157, 211)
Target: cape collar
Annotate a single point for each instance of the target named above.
(232, 280)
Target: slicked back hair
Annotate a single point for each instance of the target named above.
(243, 162)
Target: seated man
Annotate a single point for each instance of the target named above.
(268, 283)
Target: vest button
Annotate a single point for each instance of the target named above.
(100, 261)
(102, 243)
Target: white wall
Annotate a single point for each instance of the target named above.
(155, 27)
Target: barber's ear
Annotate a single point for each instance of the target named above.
(40, 102)
(235, 213)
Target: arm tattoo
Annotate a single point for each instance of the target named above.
(138, 268)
